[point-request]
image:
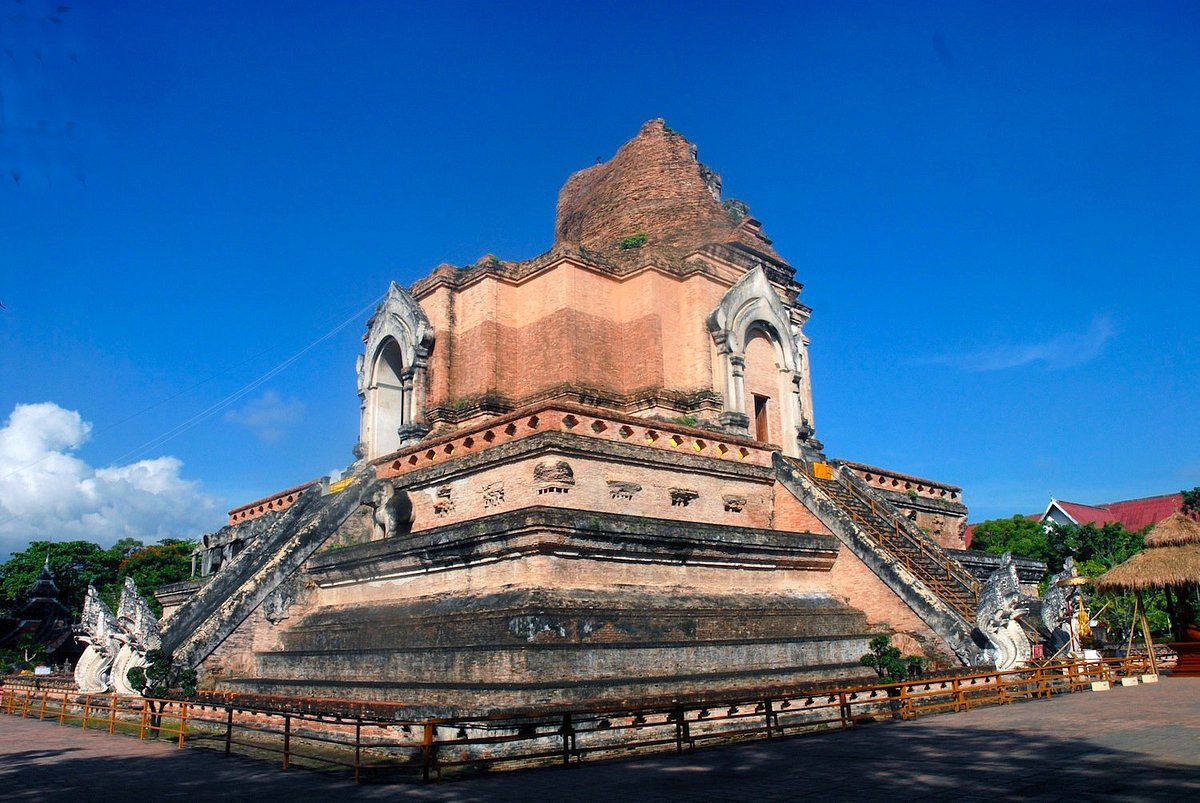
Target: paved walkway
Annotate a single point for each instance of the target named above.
(1136, 743)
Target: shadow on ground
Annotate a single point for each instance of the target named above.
(926, 760)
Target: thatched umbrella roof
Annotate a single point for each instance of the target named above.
(1175, 530)
(1171, 558)
(1156, 567)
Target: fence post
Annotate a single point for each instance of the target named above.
(679, 726)
(357, 749)
(426, 751)
(769, 712)
(42, 710)
(62, 712)
(112, 715)
(844, 710)
(287, 739)
(183, 715)
(568, 739)
(228, 728)
(87, 709)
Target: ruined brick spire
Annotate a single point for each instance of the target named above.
(654, 186)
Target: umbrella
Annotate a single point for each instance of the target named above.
(1171, 559)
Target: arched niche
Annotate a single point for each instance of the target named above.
(393, 375)
(764, 390)
(385, 401)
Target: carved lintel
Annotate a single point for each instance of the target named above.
(621, 489)
(492, 494)
(278, 603)
(444, 505)
(682, 497)
(555, 477)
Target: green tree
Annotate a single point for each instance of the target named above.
(160, 677)
(1019, 535)
(74, 564)
(1191, 501)
(889, 663)
(1096, 549)
(168, 561)
(25, 654)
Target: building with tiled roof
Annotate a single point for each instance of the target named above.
(1133, 514)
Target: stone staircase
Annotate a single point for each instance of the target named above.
(938, 588)
(224, 602)
(918, 553)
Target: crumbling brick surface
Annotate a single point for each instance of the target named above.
(653, 186)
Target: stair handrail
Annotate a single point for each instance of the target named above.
(913, 534)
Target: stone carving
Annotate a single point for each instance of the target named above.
(556, 477)
(138, 634)
(493, 494)
(734, 503)
(277, 604)
(392, 512)
(97, 629)
(1056, 609)
(444, 505)
(682, 497)
(115, 644)
(620, 489)
(1001, 608)
(219, 548)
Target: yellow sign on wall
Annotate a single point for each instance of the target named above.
(823, 471)
(340, 485)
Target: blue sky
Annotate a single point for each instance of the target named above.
(993, 209)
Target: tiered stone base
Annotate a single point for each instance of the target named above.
(537, 648)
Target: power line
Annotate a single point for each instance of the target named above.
(214, 408)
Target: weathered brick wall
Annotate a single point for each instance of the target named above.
(862, 589)
(653, 185)
(793, 516)
(569, 325)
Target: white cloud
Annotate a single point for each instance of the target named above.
(1065, 350)
(47, 493)
(269, 416)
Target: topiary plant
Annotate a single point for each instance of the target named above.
(889, 663)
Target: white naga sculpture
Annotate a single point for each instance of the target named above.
(1001, 608)
(1013, 622)
(115, 644)
(99, 627)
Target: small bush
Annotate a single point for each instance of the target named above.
(635, 241)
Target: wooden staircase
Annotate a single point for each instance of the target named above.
(901, 539)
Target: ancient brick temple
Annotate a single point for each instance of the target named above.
(591, 475)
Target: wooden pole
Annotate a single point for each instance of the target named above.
(1141, 608)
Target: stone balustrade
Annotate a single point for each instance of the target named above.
(270, 504)
(904, 483)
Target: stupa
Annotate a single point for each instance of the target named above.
(593, 475)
